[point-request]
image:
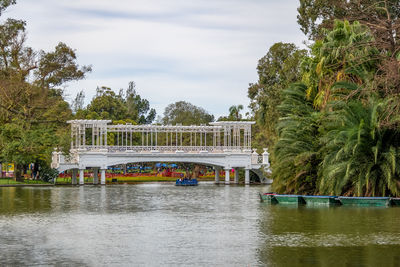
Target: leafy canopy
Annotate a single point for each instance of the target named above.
(186, 114)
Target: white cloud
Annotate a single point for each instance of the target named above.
(204, 52)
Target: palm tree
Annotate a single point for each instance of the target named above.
(361, 157)
(343, 55)
(296, 151)
(234, 112)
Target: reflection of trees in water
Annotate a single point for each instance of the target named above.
(318, 236)
(22, 200)
(68, 199)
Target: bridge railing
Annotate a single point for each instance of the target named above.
(256, 159)
(164, 149)
(59, 158)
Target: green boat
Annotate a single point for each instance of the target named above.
(290, 199)
(321, 200)
(395, 201)
(268, 198)
(365, 201)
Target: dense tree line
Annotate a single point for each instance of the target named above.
(127, 105)
(33, 110)
(331, 113)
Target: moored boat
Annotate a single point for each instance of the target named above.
(395, 201)
(268, 198)
(321, 200)
(290, 199)
(365, 201)
(186, 182)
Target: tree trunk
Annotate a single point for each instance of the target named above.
(18, 168)
(1, 170)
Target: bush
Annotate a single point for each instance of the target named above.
(48, 174)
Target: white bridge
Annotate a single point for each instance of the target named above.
(96, 144)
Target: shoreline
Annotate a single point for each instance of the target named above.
(25, 185)
(122, 183)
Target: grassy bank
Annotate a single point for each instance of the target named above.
(11, 181)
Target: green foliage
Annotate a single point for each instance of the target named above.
(6, 3)
(138, 109)
(314, 16)
(296, 151)
(32, 109)
(340, 56)
(107, 105)
(337, 132)
(234, 114)
(276, 71)
(58, 67)
(48, 174)
(360, 156)
(186, 114)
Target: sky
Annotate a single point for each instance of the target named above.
(201, 51)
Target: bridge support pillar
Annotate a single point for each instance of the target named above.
(247, 176)
(236, 175)
(95, 175)
(217, 170)
(124, 167)
(103, 177)
(74, 175)
(82, 176)
(227, 177)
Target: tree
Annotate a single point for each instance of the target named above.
(186, 114)
(106, 105)
(5, 3)
(340, 56)
(126, 105)
(138, 108)
(361, 157)
(234, 114)
(32, 109)
(316, 15)
(276, 71)
(78, 102)
(381, 17)
(296, 151)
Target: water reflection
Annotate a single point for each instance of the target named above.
(17, 200)
(305, 236)
(208, 225)
(151, 224)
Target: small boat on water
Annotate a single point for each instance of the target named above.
(321, 200)
(268, 198)
(186, 182)
(290, 199)
(365, 201)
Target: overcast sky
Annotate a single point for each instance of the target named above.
(201, 51)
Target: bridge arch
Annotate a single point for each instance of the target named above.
(200, 162)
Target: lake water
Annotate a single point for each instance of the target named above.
(164, 225)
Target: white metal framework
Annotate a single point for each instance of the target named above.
(219, 136)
